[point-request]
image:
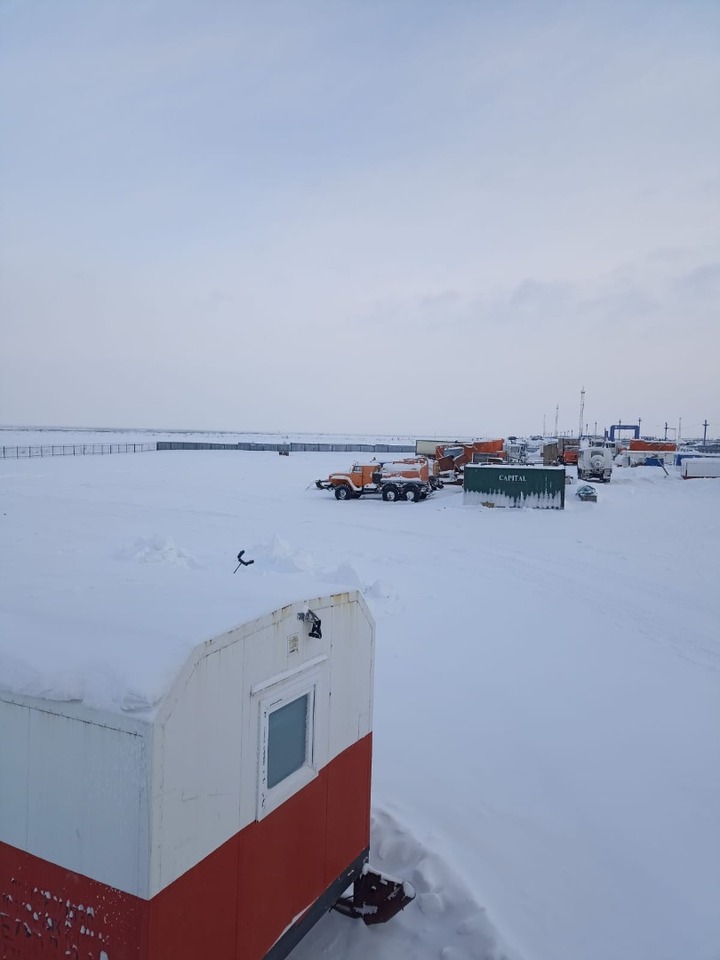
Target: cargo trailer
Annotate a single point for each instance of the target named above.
(702, 467)
(222, 820)
(511, 485)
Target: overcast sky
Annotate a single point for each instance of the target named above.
(359, 215)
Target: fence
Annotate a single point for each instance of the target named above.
(74, 449)
(287, 447)
(86, 449)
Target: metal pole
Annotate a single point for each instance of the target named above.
(705, 426)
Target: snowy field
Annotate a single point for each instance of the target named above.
(547, 708)
(37, 436)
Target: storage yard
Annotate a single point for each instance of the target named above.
(546, 764)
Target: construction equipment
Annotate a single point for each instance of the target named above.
(451, 458)
(412, 479)
(594, 463)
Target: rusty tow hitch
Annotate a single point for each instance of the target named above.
(376, 898)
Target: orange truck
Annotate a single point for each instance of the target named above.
(569, 450)
(451, 458)
(412, 479)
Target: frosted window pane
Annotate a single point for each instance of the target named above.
(287, 740)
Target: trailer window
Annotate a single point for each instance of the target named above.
(291, 718)
(287, 743)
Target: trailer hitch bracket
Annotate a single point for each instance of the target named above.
(376, 898)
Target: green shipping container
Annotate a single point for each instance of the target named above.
(514, 486)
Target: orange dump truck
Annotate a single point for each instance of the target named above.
(411, 479)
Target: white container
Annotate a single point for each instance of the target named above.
(700, 467)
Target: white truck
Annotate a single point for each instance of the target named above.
(594, 463)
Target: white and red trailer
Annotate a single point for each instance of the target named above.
(221, 822)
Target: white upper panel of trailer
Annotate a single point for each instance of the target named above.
(114, 633)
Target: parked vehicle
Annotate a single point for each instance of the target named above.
(412, 479)
(594, 463)
(568, 450)
(451, 459)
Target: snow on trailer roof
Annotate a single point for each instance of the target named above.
(119, 644)
(92, 612)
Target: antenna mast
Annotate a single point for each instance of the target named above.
(557, 411)
(582, 413)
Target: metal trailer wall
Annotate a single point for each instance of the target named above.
(550, 453)
(514, 486)
(679, 458)
(652, 446)
(74, 830)
(74, 789)
(219, 861)
(130, 840)
(701, 467)
(202, 796)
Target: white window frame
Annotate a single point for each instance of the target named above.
(307, 679)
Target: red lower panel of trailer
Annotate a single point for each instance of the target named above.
(235, 903)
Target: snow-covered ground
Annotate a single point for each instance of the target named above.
(547, 708)
(26, 436)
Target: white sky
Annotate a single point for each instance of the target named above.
(416, 217)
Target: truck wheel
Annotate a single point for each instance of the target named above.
(412, 494)
(390, 493)
(343, 492)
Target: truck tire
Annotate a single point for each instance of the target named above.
(411, 493)
(390, 493)
(343, 492)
